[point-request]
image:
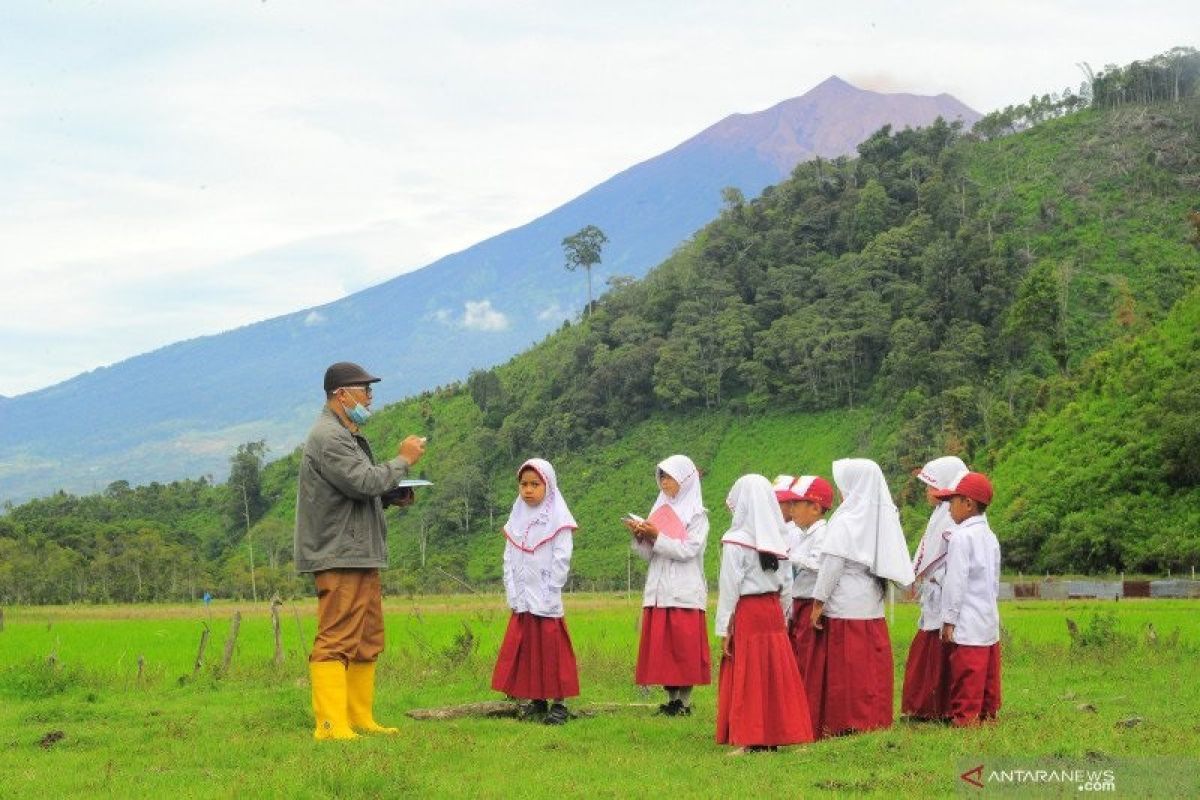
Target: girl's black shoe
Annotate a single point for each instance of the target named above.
(533, 710)
(557, 715)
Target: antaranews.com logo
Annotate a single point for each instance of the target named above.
(1093, 773)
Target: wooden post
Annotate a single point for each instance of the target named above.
(141, 668)
(231, 640)
(2, 611)
(200, 652)
(275, 604)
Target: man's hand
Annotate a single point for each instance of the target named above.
(818, 611)
(399, 497)
(948, 633)
(412, 448)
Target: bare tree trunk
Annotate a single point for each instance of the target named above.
(249, 543)
(231, 640)
(200, 652)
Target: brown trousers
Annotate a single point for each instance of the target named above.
(349, 615)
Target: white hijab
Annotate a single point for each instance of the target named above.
(687, 502)
(866, 526)
(941, 473)
(757, 521)
(529, 527)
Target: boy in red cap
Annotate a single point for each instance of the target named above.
(970, 612)
(804, 501)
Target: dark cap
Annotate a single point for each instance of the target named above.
(346, 373)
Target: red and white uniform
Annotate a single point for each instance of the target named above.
(673, 648)
(760, 698)
(536, 660)
(969, 603)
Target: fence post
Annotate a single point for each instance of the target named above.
(275, 604)
(231, 640)
(200, 653)
(2, 610)
(141, 668)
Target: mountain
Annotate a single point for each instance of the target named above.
(181, 410)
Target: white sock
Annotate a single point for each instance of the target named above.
(685, 695)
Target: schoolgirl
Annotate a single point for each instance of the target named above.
(536, 661)
(849, 673)
(927, 673)
(760, 699)
(674, 652)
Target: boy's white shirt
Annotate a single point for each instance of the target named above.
(742, 574)
(848, 589)
(675, 576)
(534, 580)
(804, 553)
(971, 584)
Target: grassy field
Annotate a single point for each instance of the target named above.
(1114, 697)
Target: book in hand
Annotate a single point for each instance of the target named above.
(409, 483)
(668, 523)
(402, 494)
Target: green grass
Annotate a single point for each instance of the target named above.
(248, 733)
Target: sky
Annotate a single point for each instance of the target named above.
(177, 169)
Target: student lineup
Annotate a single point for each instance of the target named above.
(803, 638)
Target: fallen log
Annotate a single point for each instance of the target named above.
(508, 708)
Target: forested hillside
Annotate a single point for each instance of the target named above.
(1023, 296)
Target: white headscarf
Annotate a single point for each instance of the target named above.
(866, 526)
(529, 527)
(941, 473)
(757, 521)
(687, 502)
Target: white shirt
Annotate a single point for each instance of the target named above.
(848, 589)
(741, 574)
(804, 553)
(534, 581)
(675, 577)
(971, 585)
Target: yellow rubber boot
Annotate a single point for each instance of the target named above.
(329, 700)
(360, 698)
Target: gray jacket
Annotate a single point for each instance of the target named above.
(339, 517)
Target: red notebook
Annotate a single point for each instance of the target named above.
(668, 523)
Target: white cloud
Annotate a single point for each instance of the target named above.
(314, 318)
(444, 316)
(480, 316)
(554, 312)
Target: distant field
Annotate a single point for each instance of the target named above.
(1119, 697)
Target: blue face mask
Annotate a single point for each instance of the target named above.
(358, 415)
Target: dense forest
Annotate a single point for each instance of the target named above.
(1022, 294)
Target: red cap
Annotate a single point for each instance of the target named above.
(783, 488)
(974, 485)
(814, 488)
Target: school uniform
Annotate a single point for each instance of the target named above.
(673, 650)
(969, 602)
(760, 699)
(926, 692)
(849, 673)
(536, 660)
(804, 555)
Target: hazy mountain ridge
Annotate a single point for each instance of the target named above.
(179, 410)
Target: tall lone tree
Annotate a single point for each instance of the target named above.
(583, 250)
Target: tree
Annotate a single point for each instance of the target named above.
(246, 503)
(583, 250)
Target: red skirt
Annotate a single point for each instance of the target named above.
(801, 631)
(926, 692)
(849, 676)
(760, 698)
(974, 683)
(536, 661)
(673, 650)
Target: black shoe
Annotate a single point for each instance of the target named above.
(672, 709)
(557, 715)
(533, 710)
(684, 711)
